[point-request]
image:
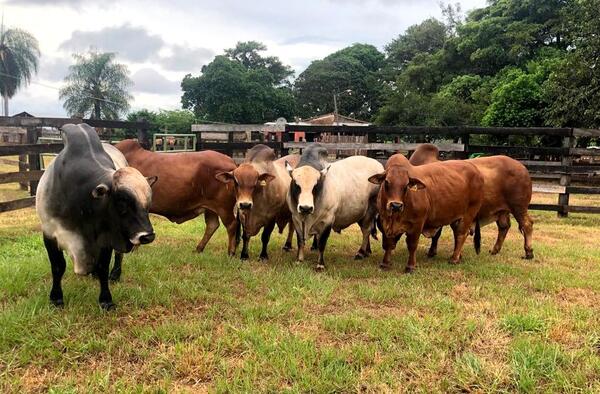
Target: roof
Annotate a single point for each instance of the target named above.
(23, 115)
(334, 119)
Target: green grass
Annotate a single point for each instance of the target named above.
(204, 322)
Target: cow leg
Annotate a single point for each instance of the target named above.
(526, 227)
(503, 224)
(315, 244)
(211, 220)
(288, 242)
(389, 244)
(461, 231)
(265, 237)
(322, 243)
(103, 265)
(115, 273)
(233, 227)
(365, 248)
(434, 243)
(412, 241)
(245, 241)
(58, 266)
(300, 241)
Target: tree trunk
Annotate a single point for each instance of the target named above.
(97, 113)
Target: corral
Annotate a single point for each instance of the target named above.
(205, 322)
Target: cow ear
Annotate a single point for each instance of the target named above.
(100, 191)
(152, 180)
(288, 167)
(378, 178)
(224, 177)
(265, 178)
(415, 184)
(324, 170)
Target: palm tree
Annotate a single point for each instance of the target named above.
(19, 56)
(96, 87)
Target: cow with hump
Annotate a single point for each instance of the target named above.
(415, 200)
(91, 203)
(325, 197)
(507, 190)
(187, 188)
(261, 185)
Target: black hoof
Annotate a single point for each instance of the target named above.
(59, 303)
(358, 256)
(409, 270)
(431, 254)
(385, 267)
(107, 306)
(313, 247)
(320, 267)
(244, 257)
(287, 247)
(528, 256)
(264, 258)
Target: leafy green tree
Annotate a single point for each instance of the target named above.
(240, 87)
(97, 87)
(353, 69)
(176, 121)
(573, 89)
(19, 58)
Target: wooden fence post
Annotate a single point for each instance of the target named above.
(23, 168)
(142, 135)
(33, 159)
(565, 179)
(465, 140)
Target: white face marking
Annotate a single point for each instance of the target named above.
(306, 177)
(132, 180)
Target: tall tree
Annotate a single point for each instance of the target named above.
(19, 57)
(355, 70)
(97, 87)
(241, 86)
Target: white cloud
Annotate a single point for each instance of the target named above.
(148, 80)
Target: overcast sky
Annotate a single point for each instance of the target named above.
(162, 40)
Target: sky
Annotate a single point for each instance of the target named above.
(161, 41)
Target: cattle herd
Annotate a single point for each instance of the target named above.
(95, 198)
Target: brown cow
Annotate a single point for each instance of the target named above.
(261, 185)
(187, 187)
(507, 189)
(420, 200)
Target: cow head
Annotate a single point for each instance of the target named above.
(128, 201)
(395, 182)
(246, 181)
(306, 186)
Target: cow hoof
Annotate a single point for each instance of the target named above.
(320, 267)
(264, 258)
(528, 255)
(244, 257)
(431, 254)
(409, 270)
(107, 305)
(358, 256)
(287, 248)
(59, 303)
(385, 267)
(454, 262)
(199, 249)
(494, 252)
(115, 276)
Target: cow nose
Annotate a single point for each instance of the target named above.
(245, 205)
(396, 206)
(305, 209)
(147, 238)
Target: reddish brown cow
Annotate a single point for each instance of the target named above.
(261, 185)
(187, 187)
(507, 189)
(420, 200)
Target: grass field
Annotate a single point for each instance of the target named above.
(195, 323)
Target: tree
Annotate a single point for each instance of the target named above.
(97, 87)
(354, 69)
(165, 121)
(573, 89)
(241, 86)
(19, 57)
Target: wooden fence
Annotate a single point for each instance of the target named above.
(30, 169)
(564, 169)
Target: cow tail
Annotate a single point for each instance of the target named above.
(374, 228)
(238, 230)
(477, 237)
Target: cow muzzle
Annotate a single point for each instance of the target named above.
(396, 206)
(305, 209)
(245, 205)
(142, 238)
